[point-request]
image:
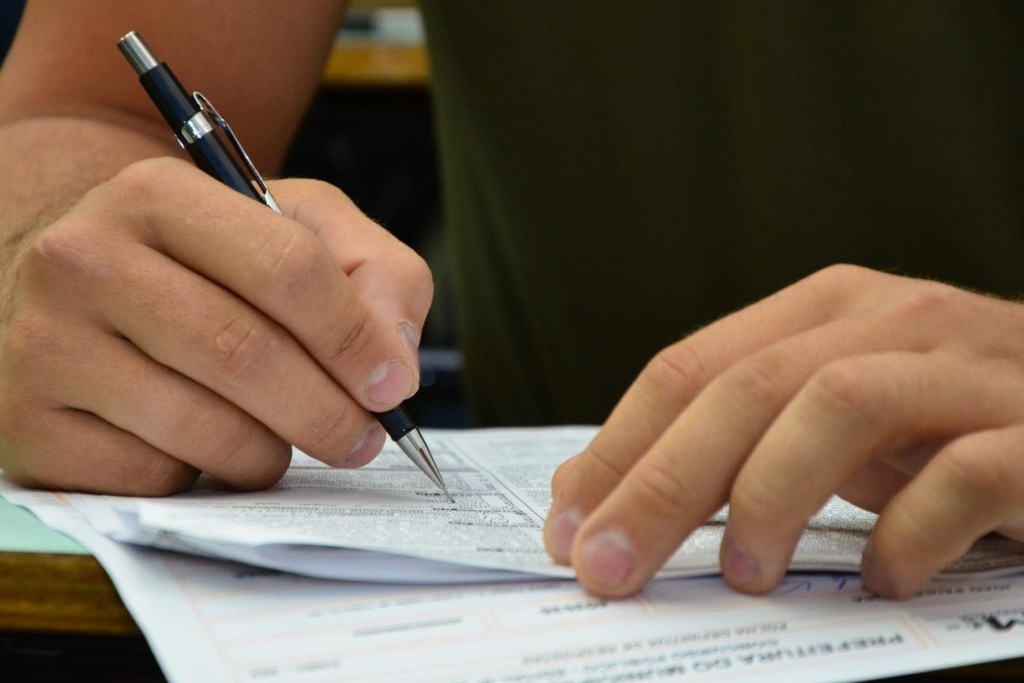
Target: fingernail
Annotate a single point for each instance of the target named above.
(412, 339)
(366, 449)
(738, 566)
(390, 383)
(607, 558)
(561, 533)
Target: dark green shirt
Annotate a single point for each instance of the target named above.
(619, 173)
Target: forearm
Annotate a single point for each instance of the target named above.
(48, 163)
(72, 115)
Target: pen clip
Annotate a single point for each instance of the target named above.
(206, 107)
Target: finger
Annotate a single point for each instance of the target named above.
(387, 273)
(280, 267)
(105, 375)
(879, 305)
(671, 381)
(185, 323)
(57, 448)
(61, 362)
(874, 485)
(971, 487)
(851, 411)
(685, 476)
(200, 330)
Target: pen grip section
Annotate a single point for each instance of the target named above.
(397, 422)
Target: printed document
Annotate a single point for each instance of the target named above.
(511, 619)
(387, 522)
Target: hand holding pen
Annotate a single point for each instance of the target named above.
(167, 325)
(195, 121)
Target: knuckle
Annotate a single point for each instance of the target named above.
(315, 202)
(322, 193)
(839, 273)
(75, 242)
(901, 534)
(120, 471)
(141, 183)
(592, 473)
(659, 486)
(62, 249)
(253, 467)
(977, 470)
(753, 383)
(292, 260)
(850, 391)
(752, 499)
(677, 369)
(243, 346)
(207, 423)
(354, 334)
(834, 283)
(329, 430)
(927, 300)
(161, 476)
(416, 270)
(603, 464)
(561, 477)
(236, 448)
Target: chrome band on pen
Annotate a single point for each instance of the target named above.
(195, 128)
(206, 108)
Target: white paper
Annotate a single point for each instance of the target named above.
(217, 621)
(221, 622)
(369, 524)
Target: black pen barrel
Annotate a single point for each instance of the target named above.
(396, 422)
(183, 114)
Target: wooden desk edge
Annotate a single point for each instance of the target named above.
(51, 593)
(376, 65)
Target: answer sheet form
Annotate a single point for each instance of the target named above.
(301, 630)
(485, 610)
(316, 516)
(221, 622)
(387, 522)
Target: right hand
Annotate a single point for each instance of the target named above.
(167, 325)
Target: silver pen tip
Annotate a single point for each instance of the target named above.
(435, 473)
(416, 449)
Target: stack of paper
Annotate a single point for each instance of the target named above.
(386, 522)
(495, 609)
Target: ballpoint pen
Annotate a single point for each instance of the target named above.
(194, 122)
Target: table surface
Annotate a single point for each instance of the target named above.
(386, 52)
(369, 64)
(50, 584)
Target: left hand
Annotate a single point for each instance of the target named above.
(906, 397)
